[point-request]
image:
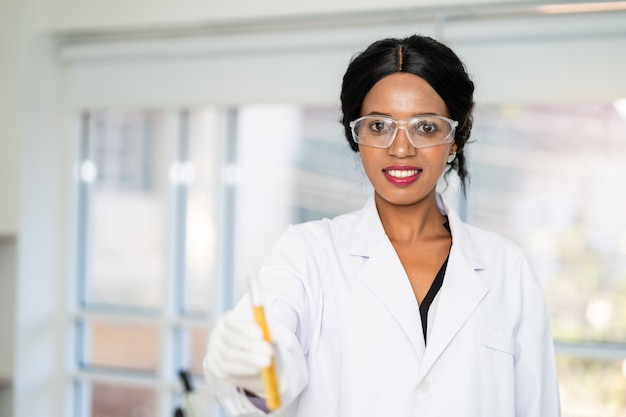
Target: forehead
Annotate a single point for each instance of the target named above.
(403, 95)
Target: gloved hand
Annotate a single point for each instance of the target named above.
(236, 352)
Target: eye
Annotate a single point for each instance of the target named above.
(426, 126)
(380, 126)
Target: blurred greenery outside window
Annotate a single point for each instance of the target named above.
(553, 179)
(176, 207)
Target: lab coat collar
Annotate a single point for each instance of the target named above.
(461, 236)
(384, 275)
(369, 230)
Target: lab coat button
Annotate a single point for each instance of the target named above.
(424, 386)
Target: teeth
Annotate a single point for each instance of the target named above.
(402, 173)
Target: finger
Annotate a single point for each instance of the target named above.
(241, 362)
(237, 347)
(245, 342)
(256, 353)
(240, 333)
(239, 322)
(229, 369)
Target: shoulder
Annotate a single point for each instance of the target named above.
(489, 243)
(321, 231)
(309, 239)
(310, 253)
(479, 245)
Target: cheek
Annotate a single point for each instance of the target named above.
(437, 155)
(370, 160)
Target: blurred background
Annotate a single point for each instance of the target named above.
(152, 151)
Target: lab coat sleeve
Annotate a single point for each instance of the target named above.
(536, 386)
(289, 280)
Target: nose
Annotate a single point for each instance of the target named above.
(401, 146)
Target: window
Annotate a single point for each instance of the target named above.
(294, 165)
(551, 177)
(177, 207)
(146, 262)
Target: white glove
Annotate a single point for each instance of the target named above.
(237, 352)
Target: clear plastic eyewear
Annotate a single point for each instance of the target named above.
(423, 131)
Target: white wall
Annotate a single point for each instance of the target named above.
(10, 133)
(513, 59)
(94, 15)
(7, 317)
(10, 112)
(38, 381)
(7, 305)
(33, 194)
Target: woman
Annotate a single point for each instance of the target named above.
(399, 309)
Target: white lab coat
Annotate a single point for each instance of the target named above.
(349, 336)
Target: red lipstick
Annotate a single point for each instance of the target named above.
(402, 175)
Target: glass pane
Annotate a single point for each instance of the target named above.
(552, 178)
(328, 177)
(122, 401)
(119, 345)
(294, 165)
(592, 388)
(128, 218)
(202, 205)
(197, 348)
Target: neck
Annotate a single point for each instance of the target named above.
(408, 223)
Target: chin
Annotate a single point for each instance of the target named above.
(404, 200)
(407, 196)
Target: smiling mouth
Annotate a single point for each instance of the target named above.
(402, 173)
(402, 177)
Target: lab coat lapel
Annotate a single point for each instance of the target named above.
(460, 294)
(384, 275)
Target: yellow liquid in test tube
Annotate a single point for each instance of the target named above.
(270, 381)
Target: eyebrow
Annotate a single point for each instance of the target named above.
(378, 113)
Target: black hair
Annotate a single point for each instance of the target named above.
(425, 57)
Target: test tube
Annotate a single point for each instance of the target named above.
(269, 374)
